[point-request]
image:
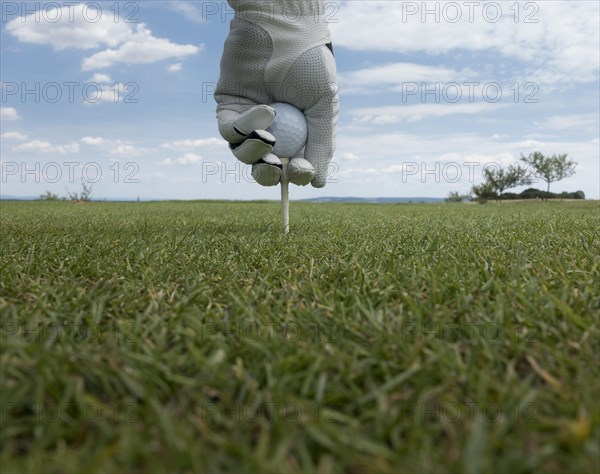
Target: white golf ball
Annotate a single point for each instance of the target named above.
(289, 129)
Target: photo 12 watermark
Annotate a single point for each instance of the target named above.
(70, 12)
(286, 412)
(449, 172)
(258, 331)
(326, 11)
(236, 172)
(469, 12)
(470, 92)
(69, 172)
(471, 333)
(290, 92)
(55, 332)
(52, 92)
(91, 412)
(469, 412)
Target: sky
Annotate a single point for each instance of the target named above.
(431, 93)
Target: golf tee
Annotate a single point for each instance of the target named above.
(285, 202)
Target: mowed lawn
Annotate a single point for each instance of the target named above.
(193, 337)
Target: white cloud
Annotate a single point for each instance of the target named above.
(174, 67)
(388, 149)
(400, 73)
(102, 89)
(399, 31)
(101, 78)
(125, 149)
(72, 28)
(140, 48)
(117, 150)
(9, 113)
(192, 144)
(561, 47)
(405, 164)
(70, 148)
(349, 156)
(186, 160)
(92, 141)
(36, 146)
(13, 136)
(40, 146)
(569, 122)
(412, 113)
(189, 11)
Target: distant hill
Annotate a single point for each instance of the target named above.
(393, 200)
(350, 199)
(5, 197)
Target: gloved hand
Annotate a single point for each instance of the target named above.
(278, 51)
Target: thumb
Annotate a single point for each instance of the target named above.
(322, 121)
(245, 131)
(236, 122)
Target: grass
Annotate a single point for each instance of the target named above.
(193, 337)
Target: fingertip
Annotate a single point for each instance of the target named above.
(318, 183)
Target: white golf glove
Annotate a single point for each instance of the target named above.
(278, 51)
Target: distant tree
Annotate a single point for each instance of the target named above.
(48, 196)
(533, 193)
(84, 195)
(455, 196)
(502, 179)
(483, 192)
(550, 168)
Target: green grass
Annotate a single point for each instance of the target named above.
(193, 337)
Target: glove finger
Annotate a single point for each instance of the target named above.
(322, 122)
(312, 78)
(299, 171)
(236, 125)
(267, 172)
(256, 146)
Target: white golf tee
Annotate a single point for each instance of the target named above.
(285, 200)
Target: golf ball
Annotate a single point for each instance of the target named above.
(289, 129)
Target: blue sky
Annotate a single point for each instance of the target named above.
(431, 93)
